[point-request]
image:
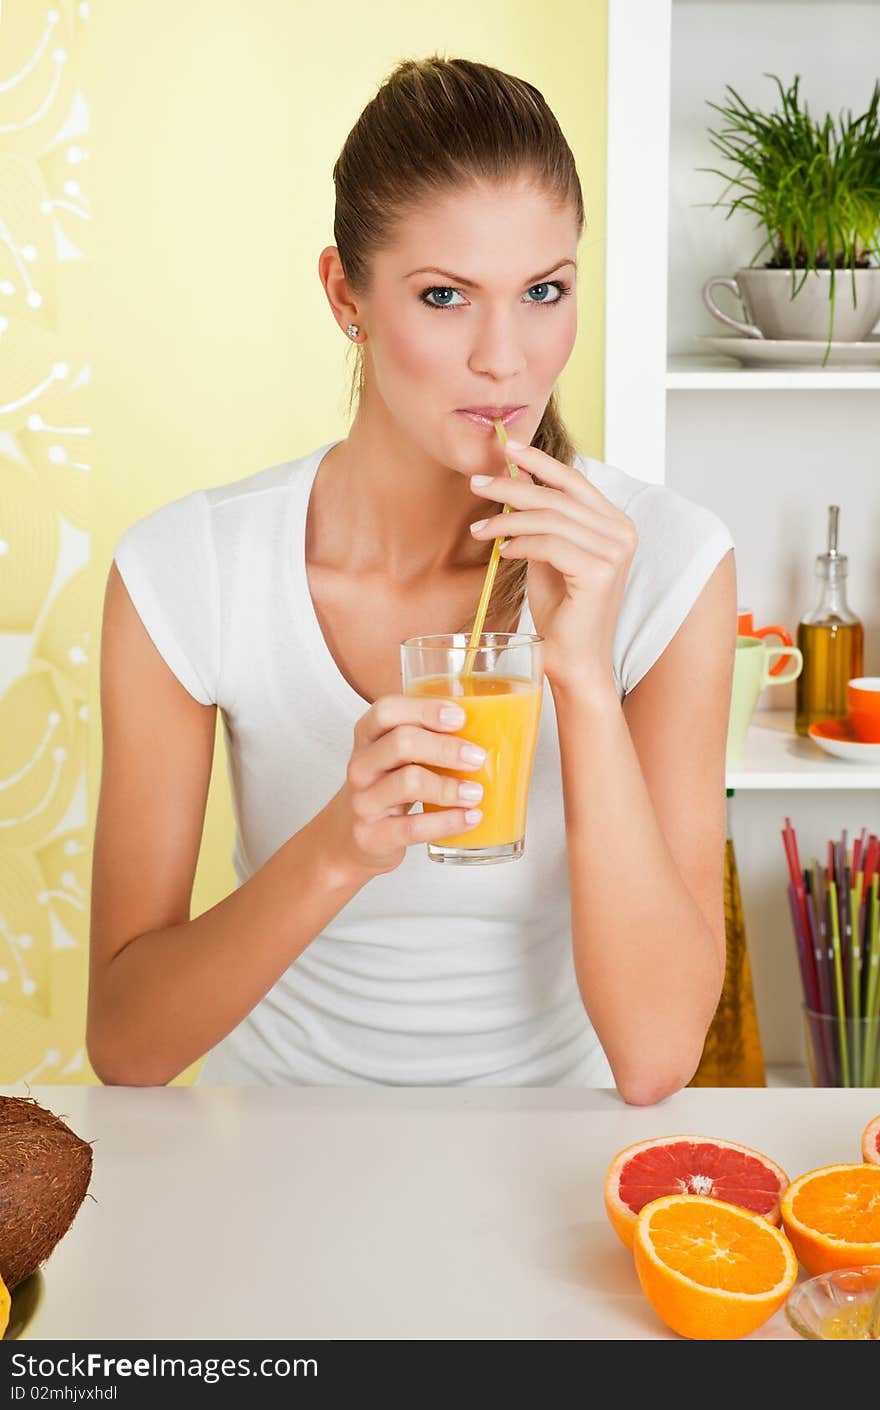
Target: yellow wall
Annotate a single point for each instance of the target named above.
(210, 134)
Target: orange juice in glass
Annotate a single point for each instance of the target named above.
(499, 684)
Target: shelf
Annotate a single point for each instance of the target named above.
(777, 757)
(721, 374)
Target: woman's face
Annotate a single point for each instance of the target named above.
(471, 314)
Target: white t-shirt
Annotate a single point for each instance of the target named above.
(430, 975)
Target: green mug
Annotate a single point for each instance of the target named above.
(751, 673)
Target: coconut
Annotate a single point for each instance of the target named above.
(45, 1169)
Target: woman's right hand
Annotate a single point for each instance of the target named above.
(397, 745)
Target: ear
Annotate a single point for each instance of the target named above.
(339, 296)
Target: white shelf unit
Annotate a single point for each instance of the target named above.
(769, 465)
(702, 373)
(666, 60)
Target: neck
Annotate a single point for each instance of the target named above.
(384, 505)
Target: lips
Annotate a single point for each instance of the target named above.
(486, 415)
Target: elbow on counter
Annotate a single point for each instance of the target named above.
(112, 1072)
(648, 1092)
(653, 1084)
(647, 1080)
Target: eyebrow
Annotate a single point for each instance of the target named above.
(470, 284)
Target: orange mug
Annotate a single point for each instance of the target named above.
(745, 627)
(863, 703)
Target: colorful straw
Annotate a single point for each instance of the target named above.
(838, 984)
(835, 916)
(872, 1006)
(855, 967)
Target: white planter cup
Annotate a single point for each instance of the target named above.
(770, 311)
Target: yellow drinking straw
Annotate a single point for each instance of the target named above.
(492, 568)
(838, 985)
(872, 1006)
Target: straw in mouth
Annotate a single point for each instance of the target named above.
(491, 570)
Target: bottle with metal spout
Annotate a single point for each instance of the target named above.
(831, 638)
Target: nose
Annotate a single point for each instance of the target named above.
(496, 351)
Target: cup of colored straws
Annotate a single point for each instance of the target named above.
(835, 913)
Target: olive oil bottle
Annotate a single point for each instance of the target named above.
(732, 1052)
(831, 638)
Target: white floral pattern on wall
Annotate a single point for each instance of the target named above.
(46, 433)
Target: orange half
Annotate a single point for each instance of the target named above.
(711, 1271)
(832, 1216)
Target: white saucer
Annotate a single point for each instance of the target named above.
(792, 352)
(837, 737)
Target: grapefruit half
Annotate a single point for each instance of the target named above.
(690, 1165)
(871, 1142)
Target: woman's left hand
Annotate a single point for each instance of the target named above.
(579, 548)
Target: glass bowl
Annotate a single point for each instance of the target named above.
(839, 1306)
(27, 1299)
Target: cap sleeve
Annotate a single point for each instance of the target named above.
(680, 544)
(168, 564)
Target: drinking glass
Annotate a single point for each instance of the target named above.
(842, 1052)
(499, 685)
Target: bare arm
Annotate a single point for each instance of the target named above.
(645, 819)
(163, 989)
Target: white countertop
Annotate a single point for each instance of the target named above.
(391, 1213)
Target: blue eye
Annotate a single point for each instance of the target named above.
(440, 296)
(444, 297)
(543, 292)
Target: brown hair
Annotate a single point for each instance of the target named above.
(433, 122)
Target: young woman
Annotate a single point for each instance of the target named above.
(344, 955)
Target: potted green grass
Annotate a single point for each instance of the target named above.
(815, 190)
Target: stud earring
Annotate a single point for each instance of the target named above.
(352, 330)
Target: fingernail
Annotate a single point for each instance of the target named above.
(480, 480)
(480, 524)
(473, 754)
(473, 815)
(515, 445)
(452, 715)
(470, 792)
